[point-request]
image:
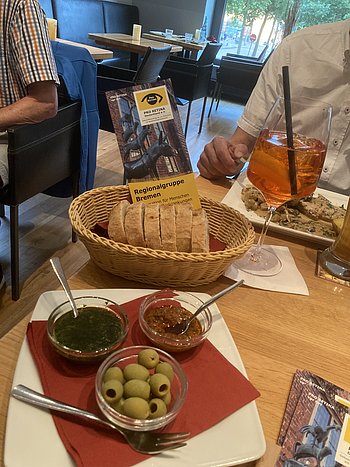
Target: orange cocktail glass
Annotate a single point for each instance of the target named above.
(282, 172)
(268, 168)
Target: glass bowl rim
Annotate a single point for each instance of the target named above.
(184, 342)
(139, 424)
(76, 352)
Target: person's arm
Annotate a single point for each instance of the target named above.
(40, 104)
(222, 156)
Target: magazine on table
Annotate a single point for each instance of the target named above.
(157, 165)
(315, 430)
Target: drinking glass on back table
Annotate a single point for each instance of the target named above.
(283, 173)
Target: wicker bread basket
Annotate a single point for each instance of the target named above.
(161, 268)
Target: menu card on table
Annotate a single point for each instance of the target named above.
(216, 390)
(315, 429)
(153, 148)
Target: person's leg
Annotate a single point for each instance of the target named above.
(3, 181)
(3, 160)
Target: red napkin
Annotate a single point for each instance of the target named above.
(216, 390)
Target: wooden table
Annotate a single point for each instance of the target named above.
(96, 52)
(276, 333)
(127, 43)
(192, 47)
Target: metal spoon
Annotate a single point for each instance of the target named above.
(181, 328)
(57, 267)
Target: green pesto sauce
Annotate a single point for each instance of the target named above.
(94, 329)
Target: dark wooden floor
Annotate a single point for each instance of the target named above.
(45, 229)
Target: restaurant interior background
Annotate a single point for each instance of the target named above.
(244, 27)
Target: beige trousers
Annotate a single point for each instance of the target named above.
(4, 169)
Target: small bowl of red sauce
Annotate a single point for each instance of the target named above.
(160, 311)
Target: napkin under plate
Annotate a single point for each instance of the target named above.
(216, 390)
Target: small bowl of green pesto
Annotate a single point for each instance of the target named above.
(99, 329)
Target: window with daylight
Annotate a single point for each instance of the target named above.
(255, 27)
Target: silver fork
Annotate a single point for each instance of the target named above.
(146, 442)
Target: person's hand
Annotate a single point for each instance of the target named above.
(220, 158)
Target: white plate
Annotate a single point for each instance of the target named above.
(32, 441)
(158, 33)
(233, 199)
(174, 36)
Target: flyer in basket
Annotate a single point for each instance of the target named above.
(157, 166)
(315, 431)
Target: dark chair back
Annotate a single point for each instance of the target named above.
(209, 53)
(40, 155)
(151, 65)
(43, 154)
(259, 58)
(112, 78)
(191, 78)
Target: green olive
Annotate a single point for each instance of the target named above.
(167, 398)
(160, 384)
(135, 407)
(114, 372)
(135, 371)
(137, 388)
(148, 358)
(112, 391)
(165, 369)
(157, 408)
(118, 406)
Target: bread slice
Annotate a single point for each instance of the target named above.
(183, 226)
(152, 227)
(167, 227)
(116, 229)
(134, 219)
(200, 232)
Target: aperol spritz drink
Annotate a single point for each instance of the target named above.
(268, 168)
(282, 172)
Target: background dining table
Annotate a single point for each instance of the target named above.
(127, 43)
(275, 333)
(192, 46)
(96, 52)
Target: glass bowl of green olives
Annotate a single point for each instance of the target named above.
(162, 310)
(140, 388)
(99, 329)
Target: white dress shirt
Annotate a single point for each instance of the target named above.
(319, 67)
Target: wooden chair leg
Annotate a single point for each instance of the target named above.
(188, 117)
(14, 240)
(202, 115)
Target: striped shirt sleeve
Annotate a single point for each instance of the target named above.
(31, 46)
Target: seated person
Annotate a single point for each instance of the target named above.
(28, 84)
(318, 58)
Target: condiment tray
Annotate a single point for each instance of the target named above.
(237, 439)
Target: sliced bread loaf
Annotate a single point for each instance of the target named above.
(134, 221)
(116, 229)
(152, 227)
(167, 226)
